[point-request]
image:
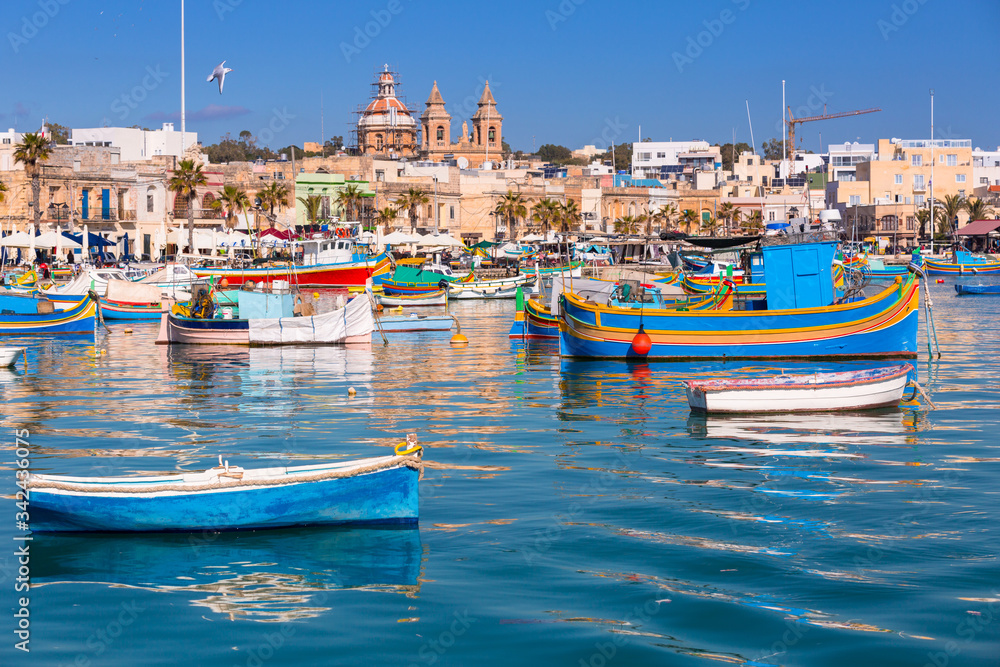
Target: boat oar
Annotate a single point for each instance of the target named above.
(378, 321)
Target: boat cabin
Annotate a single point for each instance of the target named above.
(328, 251)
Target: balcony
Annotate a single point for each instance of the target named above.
(919, 188)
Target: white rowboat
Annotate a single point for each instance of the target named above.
(10, 355)
(845, 390)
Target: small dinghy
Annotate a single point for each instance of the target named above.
(845, 390)
(438, 298)
(364, 491)
(10, 355)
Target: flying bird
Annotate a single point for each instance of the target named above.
(219, 73)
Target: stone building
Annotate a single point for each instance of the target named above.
(386, 126)
(483, 144)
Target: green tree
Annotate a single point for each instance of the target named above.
(233, 201)
(510, 208)
(731, 152)
(755, 222)
(31, 152)
(271, 195)
(505, 149)
(946, 212)
(349, 200)
(544, 213)
(977, 208)
(923, 215)
(689, 219)
(568, 217)
(726, 214)
(59, 133)
(386, 215)
(772, 150)
(627, 224)
(412, 200)
(312, 204)
(710, 226)
(622, 158)
(3, 189)
(187, 178)
(555, 154)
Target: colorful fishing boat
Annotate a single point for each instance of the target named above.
(437, 298)
(414, 279)
(128, 300)
(332, 262)
(77, 319)
(962, 262)
(267, 319)
(364, 491)
(10, 355)
(799, 319)
(977, 289)
(817, 392)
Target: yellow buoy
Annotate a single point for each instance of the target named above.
(128, 331)
(103, 351)
(459, 339)
(352, 391)
(315, 295)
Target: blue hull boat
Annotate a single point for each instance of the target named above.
(977, 289)
(366, 491)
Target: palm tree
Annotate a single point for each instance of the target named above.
(665, 215)
(386, 215)
(710, 225)
(233, 201)
(412, 200)
(271, 195)
(510, 208)
(689, 219)
(312, 204)
(627, 224)
(568, 216)
(923, 215)
(977, 208)
(3, 189)
(950, 207)
(726, 212)
(544, 213)
(33, 149)
(737, 217)
(187, 178)
(349, 199)
(755, 223)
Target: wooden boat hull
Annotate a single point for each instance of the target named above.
(977, 289)
(401, 324)
(935, 268)
(438, 298)
(118, 310)
(385, 495)
(343, 274)
(79, 319)
(850, 390)
(10, 355)
(881, 326)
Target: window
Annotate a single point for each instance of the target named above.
(451, 212)
(492, 134)
(440, 134)
(430, 212)
(984, 180)
(898, 199)
(889, 223)
(961, 194)
(770, 215)
(960, 178)
(644, 157)
(952, 160)
(918, 200)
(855, 200)
(918, 181)
(899, 179)
(378, 142)
(917, 160)
(149, 202)
(911, 223)
(380, 175)
(660, 156)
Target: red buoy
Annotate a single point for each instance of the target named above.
(642, 344)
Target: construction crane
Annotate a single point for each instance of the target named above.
(792, 122)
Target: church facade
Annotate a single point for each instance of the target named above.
(386, 126)
(483, 144)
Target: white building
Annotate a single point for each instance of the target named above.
(136, 145)
(985, 170)
(845, 157)
(8, 140)
(657, 159)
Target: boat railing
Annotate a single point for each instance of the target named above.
(818, 236)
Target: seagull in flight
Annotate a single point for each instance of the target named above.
(219, 73)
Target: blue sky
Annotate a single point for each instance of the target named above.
(569, 72)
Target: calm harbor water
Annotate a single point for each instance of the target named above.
(572, 512)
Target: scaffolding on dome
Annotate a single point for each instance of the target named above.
(396, 143)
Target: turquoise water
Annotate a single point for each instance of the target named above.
(572, 512)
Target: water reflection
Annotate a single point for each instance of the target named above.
(882, 427)
(264, 576)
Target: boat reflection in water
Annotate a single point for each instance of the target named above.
(888, 426)
(264, 576)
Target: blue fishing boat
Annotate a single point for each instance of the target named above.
(43, 318)
(962, 261)
(415, 322)
(801, 317)
(372, 490)
(977, 289)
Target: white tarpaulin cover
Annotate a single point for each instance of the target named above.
(588, 288)
(354, 319)
(129, 292)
